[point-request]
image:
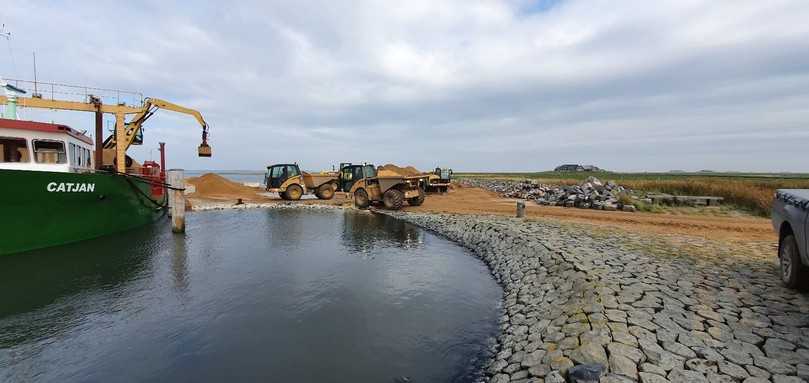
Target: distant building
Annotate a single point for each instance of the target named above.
(577, 168)
(569, 168)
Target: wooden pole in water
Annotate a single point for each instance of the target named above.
(520, 209)
(177, 200)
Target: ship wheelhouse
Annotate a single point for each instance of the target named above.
(36, 146)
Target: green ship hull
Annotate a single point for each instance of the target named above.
(44, 209)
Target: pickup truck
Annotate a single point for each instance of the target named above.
(790, 219)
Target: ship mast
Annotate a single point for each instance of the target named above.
(11, 91)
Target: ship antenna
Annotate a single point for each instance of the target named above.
(35, 94)
(7, 36)
(3, 32)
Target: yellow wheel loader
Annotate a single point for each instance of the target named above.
(367, 187)
(291, 183)
(440, 180)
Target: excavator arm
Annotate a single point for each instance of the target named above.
(150, 106)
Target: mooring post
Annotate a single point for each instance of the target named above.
(520, 209)
(177, 200)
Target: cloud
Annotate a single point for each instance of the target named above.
(486, 85)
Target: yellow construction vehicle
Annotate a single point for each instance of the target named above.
(291, 183)
(126, 133)
(440, 180)
(367, 187)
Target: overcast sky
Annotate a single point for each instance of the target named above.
(507, 85)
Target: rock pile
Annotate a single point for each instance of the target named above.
(590, 194)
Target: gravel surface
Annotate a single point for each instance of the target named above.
(645, 308)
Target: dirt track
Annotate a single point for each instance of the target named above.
(478, 201)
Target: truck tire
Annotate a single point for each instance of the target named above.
(361, 200)
(325, 191)
(417, 201)
(283, 195)
(294, 192)
(789, 260)
(393, 199)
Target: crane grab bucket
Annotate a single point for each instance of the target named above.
(204, 150)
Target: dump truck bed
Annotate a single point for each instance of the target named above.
(412, 182)
(314, 180)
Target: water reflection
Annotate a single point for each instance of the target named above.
(284, 225)
(363, 231)
(259, 295)
(179, 263)
(36, 279)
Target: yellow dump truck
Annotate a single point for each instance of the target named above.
(291, 183)
(367, 187)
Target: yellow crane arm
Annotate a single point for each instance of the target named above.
(33, 102)
(124, 132)
(150, 106)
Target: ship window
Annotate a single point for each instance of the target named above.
(13, 150)
(50, 152)
(88, 158)
(74, 160)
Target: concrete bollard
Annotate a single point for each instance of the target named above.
(520, 209)
(177, 200)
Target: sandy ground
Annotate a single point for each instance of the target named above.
(736, 228)
(478, 201)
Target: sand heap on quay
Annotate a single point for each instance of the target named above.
(391, 170)
(214, 186)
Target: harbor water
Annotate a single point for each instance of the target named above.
(283, 295)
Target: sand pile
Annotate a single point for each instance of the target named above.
(391, 170)
(214, 185)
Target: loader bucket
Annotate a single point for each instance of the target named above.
(204, 150)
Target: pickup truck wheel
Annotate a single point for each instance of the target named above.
(393, 199)
(361, 200)
(417, 201)
(790, 262)
(325, 191)
(294, 192)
